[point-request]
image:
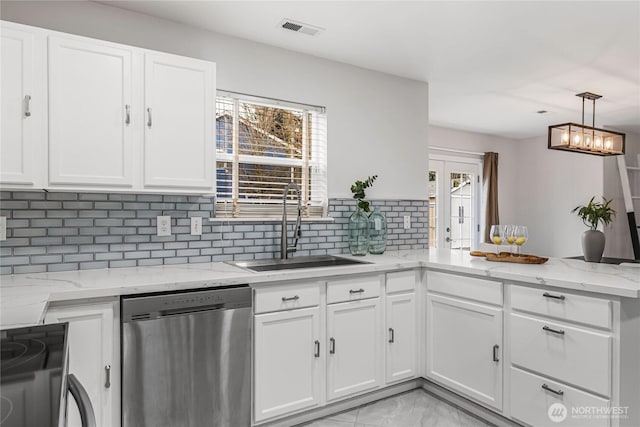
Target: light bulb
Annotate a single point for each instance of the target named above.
(607, 143)
(587, 141)
(565, 137)
(576, 139)
(598, 142)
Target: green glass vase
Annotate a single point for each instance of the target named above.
(358, 233)
(377, 232)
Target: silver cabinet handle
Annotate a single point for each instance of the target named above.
(107, 371)
(356, 291)
(496, 357)
(127, 114)
(332, 346)
(555, 331)
(149, 121)
(27, 107)
(293, 298)
(559, 297)
(556, 392)
(317, 346)
(80, 395)
(392, 335)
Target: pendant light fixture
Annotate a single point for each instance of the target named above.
(586, 139)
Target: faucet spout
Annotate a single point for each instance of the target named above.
(285, 248)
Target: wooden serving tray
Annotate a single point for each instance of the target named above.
(509, 257)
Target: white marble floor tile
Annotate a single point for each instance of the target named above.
(415, 408)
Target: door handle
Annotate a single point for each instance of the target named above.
(293, 298)
(392, 335)
(317, 346)
(27, 107)
(548, 295)
(356, 291)
(80, 395)
(107, 371)
(332, 346)
(149, 120)
(127, 114)
(496, 357)
(555, 331)
(556, 392)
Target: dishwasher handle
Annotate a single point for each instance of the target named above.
(81, 397)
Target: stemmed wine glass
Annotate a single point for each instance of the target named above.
(510, 235)
(496, 235)
(521, 236)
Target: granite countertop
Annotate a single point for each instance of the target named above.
(24, 297)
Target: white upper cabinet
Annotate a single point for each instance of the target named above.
(90, 102)
(22, 109)
(179, 136)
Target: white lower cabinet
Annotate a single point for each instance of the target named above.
(288, 360)
(464, 342)
(401, 342)
(94, 357)
(354, 347)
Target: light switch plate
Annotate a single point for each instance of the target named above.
(3, 228)
(196, 226)
(407, 222)
(163, 225)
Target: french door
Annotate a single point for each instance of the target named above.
(454, 202)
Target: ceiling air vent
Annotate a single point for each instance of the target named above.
(299, 27)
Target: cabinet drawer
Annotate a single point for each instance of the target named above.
(353, 289)
(401, 281)
(286, 297)
(530, 402)
(562, 305)
(473, 288)
(574, 355)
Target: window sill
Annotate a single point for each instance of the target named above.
(327, 219)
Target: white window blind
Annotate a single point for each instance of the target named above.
(263, 144)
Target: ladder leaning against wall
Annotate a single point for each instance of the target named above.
(625, 172)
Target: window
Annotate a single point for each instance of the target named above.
(263, 144)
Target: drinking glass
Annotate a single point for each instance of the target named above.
(522, 235)
(496, 235)
(510, 235)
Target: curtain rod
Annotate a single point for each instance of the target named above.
(451, 150)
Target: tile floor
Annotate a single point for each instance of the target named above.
(415, 408)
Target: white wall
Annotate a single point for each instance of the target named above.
(377, 123)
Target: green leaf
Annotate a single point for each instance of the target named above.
(596, 212)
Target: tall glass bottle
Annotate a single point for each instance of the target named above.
(358, 233)
(377, 232)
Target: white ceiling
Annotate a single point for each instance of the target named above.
(490, 65)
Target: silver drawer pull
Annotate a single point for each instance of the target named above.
(556, 392)
(27, 110)
(127, 114)
(107, 370)
(332, 346)
(555, 331)
(293, 298)
(392, 335)
(559, 297)
(496, 357)
(317, 346)
(356, 291)
(149, 121)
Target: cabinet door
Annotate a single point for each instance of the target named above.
(93, 358)
(21, 108)
(90, 132)
(179, 140)
(401, 337)
(464, 342)
(288, 362)
(354, 331)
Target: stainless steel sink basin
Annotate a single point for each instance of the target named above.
(293, 263)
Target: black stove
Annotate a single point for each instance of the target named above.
(33, 376)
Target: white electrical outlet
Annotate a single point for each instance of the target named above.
(407, 222)
(3, 228)
(196, 226)
(163, 225)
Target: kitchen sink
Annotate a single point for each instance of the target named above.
(295, 263)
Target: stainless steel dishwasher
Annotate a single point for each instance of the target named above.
(186, 359)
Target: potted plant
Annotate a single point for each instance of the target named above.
(358, 221)
(593, 240)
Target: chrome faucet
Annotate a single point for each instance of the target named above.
(284, 238)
